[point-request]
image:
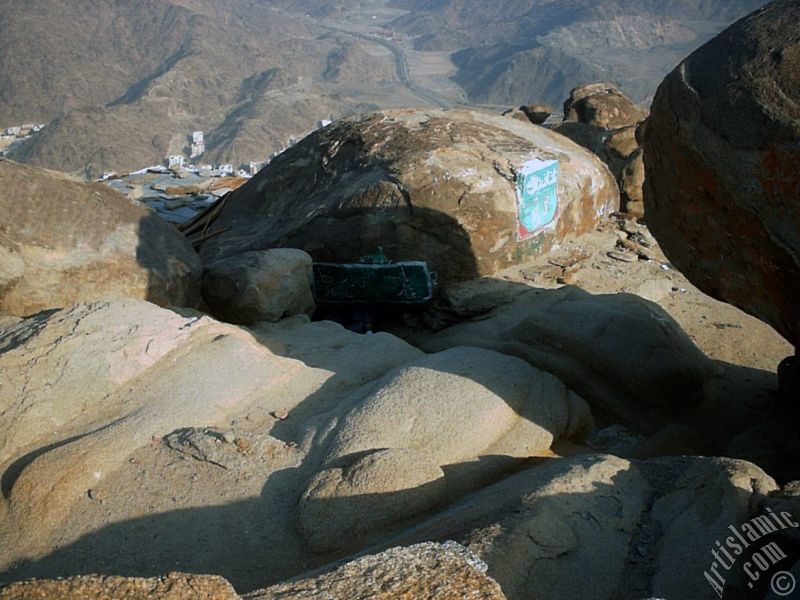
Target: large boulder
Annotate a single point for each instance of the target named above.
(603, 105)
(265, 285)
(431, 185)
(721, 150)
(63, 241)
(386, 459)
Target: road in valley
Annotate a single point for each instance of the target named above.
(401, 66)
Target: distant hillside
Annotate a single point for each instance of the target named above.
(122, 84)
(60, 56)
(125, 83)
(523, 50)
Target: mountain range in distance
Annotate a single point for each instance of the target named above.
(123, 84)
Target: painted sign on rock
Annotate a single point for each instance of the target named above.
(537, 196)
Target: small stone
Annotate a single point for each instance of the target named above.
(280, 415)
(229, 437)
(628, 257)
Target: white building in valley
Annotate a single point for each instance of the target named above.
(175, 161)
(198, 145)
(256, 166)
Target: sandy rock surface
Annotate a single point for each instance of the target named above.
(63, 241)
(641, 528)
(175, 586)
(445, 571)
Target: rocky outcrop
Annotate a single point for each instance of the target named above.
(602, 105)
(98, 397)
(175, 586)
(721, 153)
(62, 241)
(386, 457)
(365, 431)
(631, 183)
(428, 185)
(265, 285)
(622, 354)
(128, 371)
(643, 528)
(633, 524)
(601, 119)
(432, 571)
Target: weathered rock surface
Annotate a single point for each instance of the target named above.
(624, 355)
(175, 586)
(641, 528)
(430, 185)
(721, 152)
(401, 436)
(88, 385)
(698, 499)
(62, 241)
(368, 493)
(265, 285)
(194, 440)
(603, 105)
(365, 430)
(432, 571)
(621, 150)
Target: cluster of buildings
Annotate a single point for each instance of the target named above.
(14, 135)
(179, 190)
(198, 147)
(21, 131)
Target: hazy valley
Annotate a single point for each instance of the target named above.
(122, 85)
